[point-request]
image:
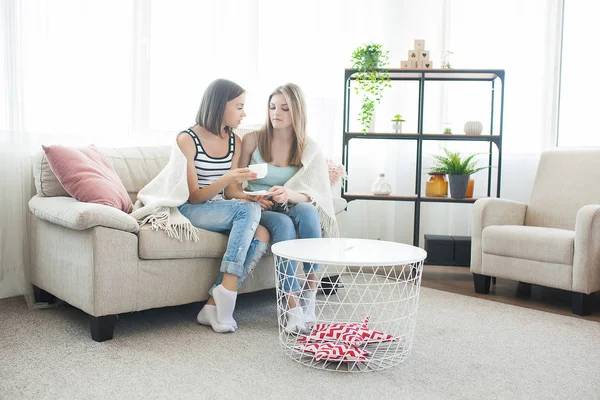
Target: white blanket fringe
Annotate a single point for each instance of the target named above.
(158, 201)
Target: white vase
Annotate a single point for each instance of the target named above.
(397, 127)
(473, 128)
(381, 187)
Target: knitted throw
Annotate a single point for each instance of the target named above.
(312, 180)
(157, 202)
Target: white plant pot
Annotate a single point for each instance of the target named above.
(397, 127)
(473, 128)
(372, 124)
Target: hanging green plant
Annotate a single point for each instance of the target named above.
(371, 78)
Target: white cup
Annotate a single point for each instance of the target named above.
(259, 169)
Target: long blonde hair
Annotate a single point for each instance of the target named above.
(294, 98)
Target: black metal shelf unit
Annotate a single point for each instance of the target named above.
(492, 76)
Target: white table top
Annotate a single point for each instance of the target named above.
(361, 252)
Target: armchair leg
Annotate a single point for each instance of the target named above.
(41, 296)
(581, 304)
(482, 283)
(102, 327)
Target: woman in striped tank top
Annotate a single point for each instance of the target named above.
(213, 153)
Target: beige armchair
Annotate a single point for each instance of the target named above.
(554, 240)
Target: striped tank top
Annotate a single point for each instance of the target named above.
(208, 168)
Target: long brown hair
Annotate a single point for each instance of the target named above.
(297, 106)
(214, 101)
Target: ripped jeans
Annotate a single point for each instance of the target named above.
(233, 217)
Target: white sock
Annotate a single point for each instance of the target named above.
(308, 300)
(225, 300)
(208, 316)
(295, 321)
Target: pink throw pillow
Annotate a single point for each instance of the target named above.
(336, 171)
(88, 176)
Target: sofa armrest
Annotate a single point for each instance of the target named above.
(339, 204)
(492, 211)
(586, 258)
(70, 213)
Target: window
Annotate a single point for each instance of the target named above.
(580, 84)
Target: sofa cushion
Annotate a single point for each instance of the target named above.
(529, 242)
(156, 245)
(88, 176)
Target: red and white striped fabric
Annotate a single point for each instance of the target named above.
(354, 334)
(334, 352)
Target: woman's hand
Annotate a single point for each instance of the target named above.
(265, 203)
(240, 175)
(279, 194)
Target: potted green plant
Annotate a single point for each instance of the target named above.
(397, 123)
(371, 79)
(458, 169)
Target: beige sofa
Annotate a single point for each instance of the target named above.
(96, 258)
(554, 240)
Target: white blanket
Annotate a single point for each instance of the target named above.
(312, 180)
(158, 201)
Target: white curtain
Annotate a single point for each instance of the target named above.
(132, 72)
(15, 166)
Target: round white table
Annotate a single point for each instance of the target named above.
(365, 309)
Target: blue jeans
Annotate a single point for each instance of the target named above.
(233, 217)
(301, 221)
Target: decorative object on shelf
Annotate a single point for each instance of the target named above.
(371, 78)
(458, 170)
(397, 123)
(381, 187)
(417, 58)
(447, 130)
(436, 185)
(470, 187)
(446, 58)
(473, 128)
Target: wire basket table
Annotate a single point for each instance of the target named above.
(366, 303)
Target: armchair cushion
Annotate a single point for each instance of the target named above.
(530, 243)
(70, 213)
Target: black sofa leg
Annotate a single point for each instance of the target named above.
(524, 289)
(581, 304)
(41, 296)
(102, 327)
(482, 283)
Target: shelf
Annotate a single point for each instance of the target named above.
(356, 196)
(485, 75)
(446, 200)
(424, 136)
(423, 78)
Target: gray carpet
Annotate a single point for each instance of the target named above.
(464, 348)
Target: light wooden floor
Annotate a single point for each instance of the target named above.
(460, 281)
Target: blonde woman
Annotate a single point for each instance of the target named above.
(300, 203)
